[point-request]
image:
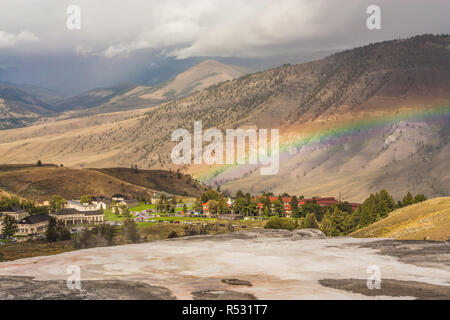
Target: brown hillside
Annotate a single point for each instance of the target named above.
(41, 183)
(162, 180)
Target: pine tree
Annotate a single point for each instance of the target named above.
(278, 208)
(294, 207)
(9, 227)
(130, 230)
(419, 198)
(327, 226)
(310, 222)
(407, 200)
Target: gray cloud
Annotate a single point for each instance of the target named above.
(226, 28)
(120, 41)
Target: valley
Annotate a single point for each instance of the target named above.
(351, 124)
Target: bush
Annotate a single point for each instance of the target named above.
(99, 236)
(281, 223)
(130, 230)
(56, 231)
(105, 231)
(86, 239)
(172, 235)
(310, 222)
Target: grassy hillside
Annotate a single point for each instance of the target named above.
(162, 180)
(41, 183)
(14, 167)
(428, 220)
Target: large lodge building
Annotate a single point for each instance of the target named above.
(28, 225)
(71, 217)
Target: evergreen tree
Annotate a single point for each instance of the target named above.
(338, 221)
(419, 198)
(9, 227)
(327, 225)
(130, 230)
(310, 222)
(252, 208)
(278, 208)
(295, 212)
(407, 200)
(376, 207)
(51, 235)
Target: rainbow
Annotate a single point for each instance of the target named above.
(296, 139)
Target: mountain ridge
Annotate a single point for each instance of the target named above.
(358, 118)
(39, 103)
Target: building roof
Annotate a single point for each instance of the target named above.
(13, 209)
(36, 218)
(71, 211)
(102, 199)
(92, 213)
(67, 211)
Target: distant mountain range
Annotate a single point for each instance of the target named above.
(353, 123)
(21, 105)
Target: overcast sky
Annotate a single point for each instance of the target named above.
(121, 30)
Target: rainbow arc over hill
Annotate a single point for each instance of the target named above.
(295, 140)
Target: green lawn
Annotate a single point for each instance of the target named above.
(181, 219)
(109, 216)
(143, 206)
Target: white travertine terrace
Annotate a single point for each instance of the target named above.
(278, 268)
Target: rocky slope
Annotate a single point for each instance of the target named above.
(19, 108)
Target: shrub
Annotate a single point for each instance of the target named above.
(281, 223)
(86, 239)
(105, 231)
(172, 235)
(130, 230)
(56, 231)
(310, 222)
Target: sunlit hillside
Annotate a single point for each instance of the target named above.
(428, 220)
